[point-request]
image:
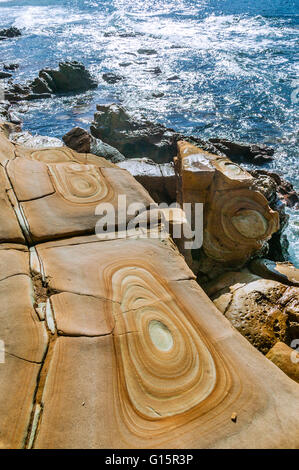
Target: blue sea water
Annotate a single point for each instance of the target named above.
(236, 62)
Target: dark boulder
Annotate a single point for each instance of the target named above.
(11, 66)
(10, 33)
(70, 77)
(5, 74)
(284, 189)
(78, 139)
(242, 152)
(138, 138)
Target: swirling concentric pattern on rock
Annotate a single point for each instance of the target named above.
(112, 344)
(235, 216)
(166, 367)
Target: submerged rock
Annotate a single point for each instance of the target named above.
(112, 77)
(147, 51)
(11, 66)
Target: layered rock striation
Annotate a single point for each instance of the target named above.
(110, 342)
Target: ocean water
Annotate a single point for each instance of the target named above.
(236, 64)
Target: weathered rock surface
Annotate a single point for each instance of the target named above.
(30, 141)
(62, 198)
(263, 311)
(275, 186)
(101, 149)
(136, 355)
(237, 220)
(24, 340)
(286, 359)
(283, 272)
(78, 139)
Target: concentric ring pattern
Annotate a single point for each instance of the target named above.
(166, 367)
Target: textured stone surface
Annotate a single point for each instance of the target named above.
(23, 346)
(237, 220)
(264, 311)
(158, 179)
(286, 359)
(109, 342)
(283, 272)
(62, 198)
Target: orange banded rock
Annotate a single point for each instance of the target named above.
(171, 367)
(237, 220)
(135, 354)
(61, 199)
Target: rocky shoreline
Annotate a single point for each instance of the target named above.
(241, 266)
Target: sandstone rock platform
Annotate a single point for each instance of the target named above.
(110, 342)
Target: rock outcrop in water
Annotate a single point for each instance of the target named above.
(70, 77)
(137, 138)
(114, 333)
(140, 138)
(11, 32)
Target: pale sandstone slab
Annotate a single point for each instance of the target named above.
(7, 149)
(18, 379)
(13, 261)
(30, 179)
(23, 334)
(81, 315)
(61, 155)
(10, 230)
(286, 359)
(79, 268)
(62, 200)
(87, 374)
